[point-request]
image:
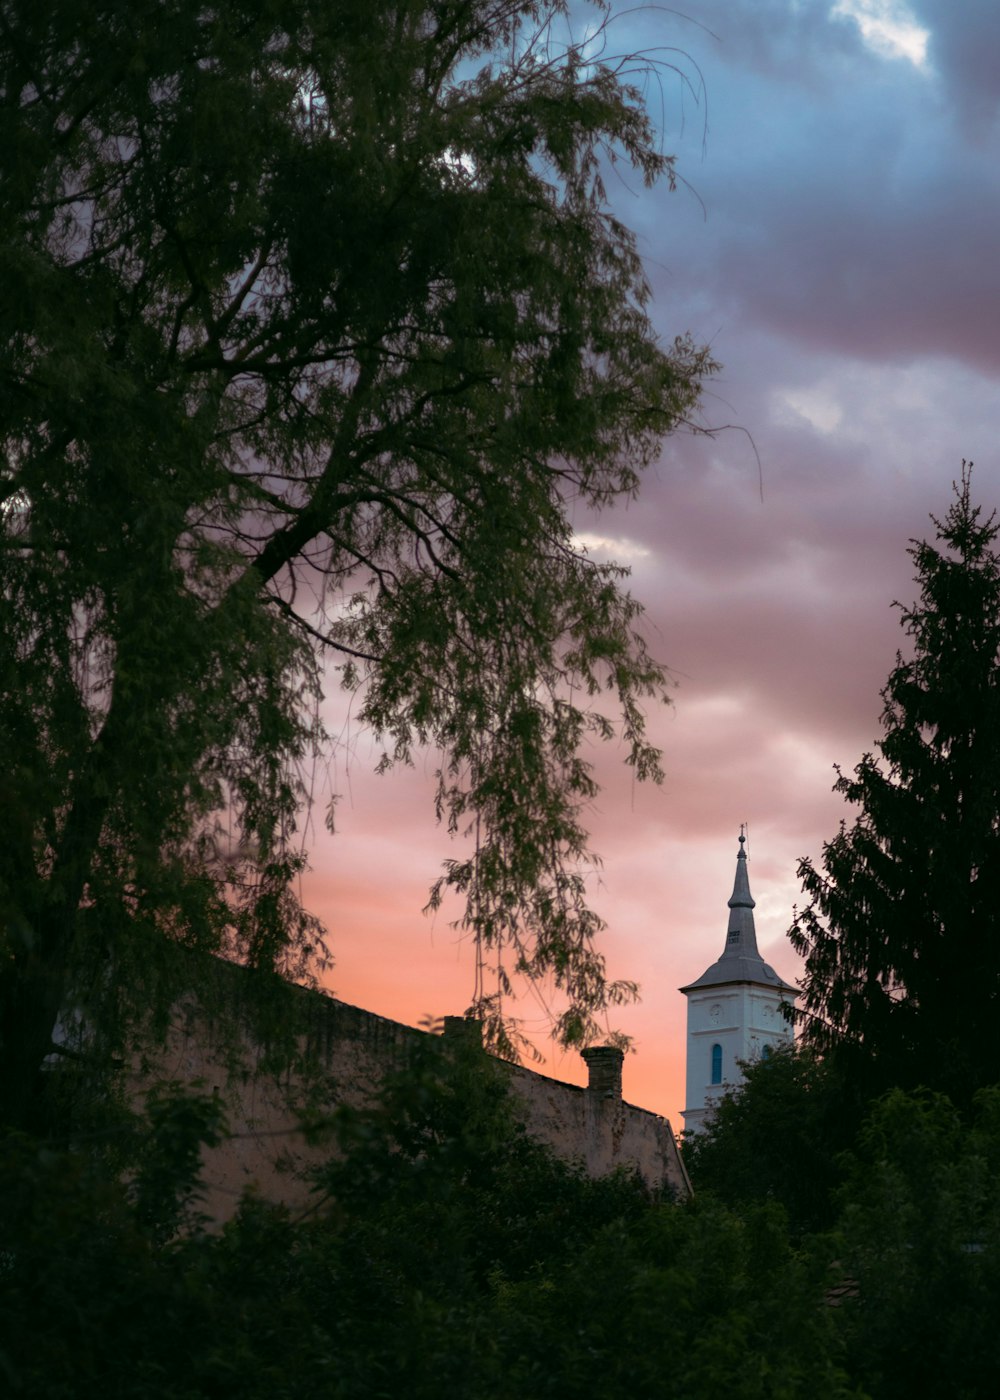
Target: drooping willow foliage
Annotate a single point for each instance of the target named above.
(317, 322)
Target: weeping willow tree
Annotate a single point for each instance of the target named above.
(317, 321)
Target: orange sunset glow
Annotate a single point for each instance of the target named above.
(832, 239)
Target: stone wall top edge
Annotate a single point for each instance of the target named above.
(331, 1009)
(646, 1112)
(542, 1078)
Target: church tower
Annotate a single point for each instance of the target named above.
(734, 1009)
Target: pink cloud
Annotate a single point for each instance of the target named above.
(846, 277)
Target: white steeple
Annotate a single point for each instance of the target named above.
(734, 1008)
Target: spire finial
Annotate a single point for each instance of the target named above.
(741, 936)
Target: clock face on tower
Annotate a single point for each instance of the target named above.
(715, 1012)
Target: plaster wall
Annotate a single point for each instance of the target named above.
(348, 1051)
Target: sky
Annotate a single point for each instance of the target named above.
(835, 238)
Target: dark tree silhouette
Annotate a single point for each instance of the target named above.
(317, 327)
(902, 931)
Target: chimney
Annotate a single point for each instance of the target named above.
(604, 1065)
(463, 1031)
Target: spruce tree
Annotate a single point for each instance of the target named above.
(901, 934)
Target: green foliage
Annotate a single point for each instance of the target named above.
(901, 934)
(776, 1138)
(897, 1209)
(317, 324)
(98, 1294)
(443, 1161)
(919, 1239)
(165, 1185)
(687, 1302)
(448, 1254)
(438, 1204)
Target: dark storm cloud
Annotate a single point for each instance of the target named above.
(964, 49)
(901, 265)
(831, 194)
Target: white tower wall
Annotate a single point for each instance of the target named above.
(742, 1019)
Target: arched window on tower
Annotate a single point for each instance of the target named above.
(716, 1064)
(765, 1053)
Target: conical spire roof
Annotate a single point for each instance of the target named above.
(740, 961)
